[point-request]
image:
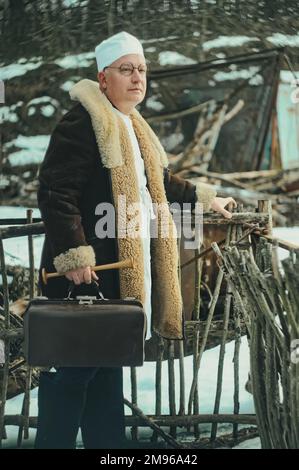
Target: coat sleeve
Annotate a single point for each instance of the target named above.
(181, 190)
(63, 175)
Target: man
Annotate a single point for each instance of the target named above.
(100, 152)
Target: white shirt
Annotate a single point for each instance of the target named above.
(147, 214)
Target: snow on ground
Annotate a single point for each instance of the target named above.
(172, 140)
(227, 41)
(244, 74)
(254, 443)
(156, 40)
(33, 149)
(74, 3)
(47, 108)
(20, 68)
(286, 76)
(43, 99)
(7, 113)
(150, 49)
(74, 61)
(16, 251)
(71, 3)
(153, 103)
(66, 86)
(146, 388)
(278, 39)
(174, 58)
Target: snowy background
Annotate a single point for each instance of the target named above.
(57, 51)
(16, 253)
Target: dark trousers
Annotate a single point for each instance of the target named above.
(86, 397)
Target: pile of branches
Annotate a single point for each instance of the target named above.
(279, 186)
(266, 295)
(18, 184)
(19, 293)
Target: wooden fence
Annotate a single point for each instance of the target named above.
(256, 294)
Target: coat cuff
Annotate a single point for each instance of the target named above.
(74, 258)
(205, 194)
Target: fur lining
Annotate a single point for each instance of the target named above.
(106, 124)
(74, 258)
(205, 194)
(117, 154)
(104, 121)
(166, 297)
(124, 182)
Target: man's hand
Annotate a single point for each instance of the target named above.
(219, 203)
(80, 275)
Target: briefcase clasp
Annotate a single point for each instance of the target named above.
(86, 299)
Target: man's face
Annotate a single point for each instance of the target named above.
(124, 91)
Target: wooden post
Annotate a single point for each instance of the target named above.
(5, 373)
(171, 384)
(24, 427)
(158, 383)
(227, 304)
(195, 342)
(265, 207)
(181, 348)
(134, 430)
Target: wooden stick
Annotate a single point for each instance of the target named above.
(126, 263)
(252, 174)
(282, 243)
(179, 114)
(150, 422)
(235, 110)
(159, 420)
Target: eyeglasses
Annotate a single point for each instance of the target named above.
(128, 69)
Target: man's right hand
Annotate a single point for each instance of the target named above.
(80, 275)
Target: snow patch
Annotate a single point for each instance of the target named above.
(150, 49)
(254, 443)
(16, 252)
(155, 40)
(7, 114)
(43, 99)
(228, 41)
(174, 58)
(48, 110)
(286, 76)
(244, 74)
(171, 141)
(20, 68)
(32, 149)
(279, 39)
(70, 3)
(31, 111)
(66, 86)
(86, 59)
(152, 103)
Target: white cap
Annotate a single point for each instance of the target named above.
(115, 47)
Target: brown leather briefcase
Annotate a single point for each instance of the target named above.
(84, 332)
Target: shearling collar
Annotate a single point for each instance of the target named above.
(106, 123)
(117, 154)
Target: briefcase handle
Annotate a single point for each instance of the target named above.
(72, 287)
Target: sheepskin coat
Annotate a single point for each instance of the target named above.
(90, 161)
